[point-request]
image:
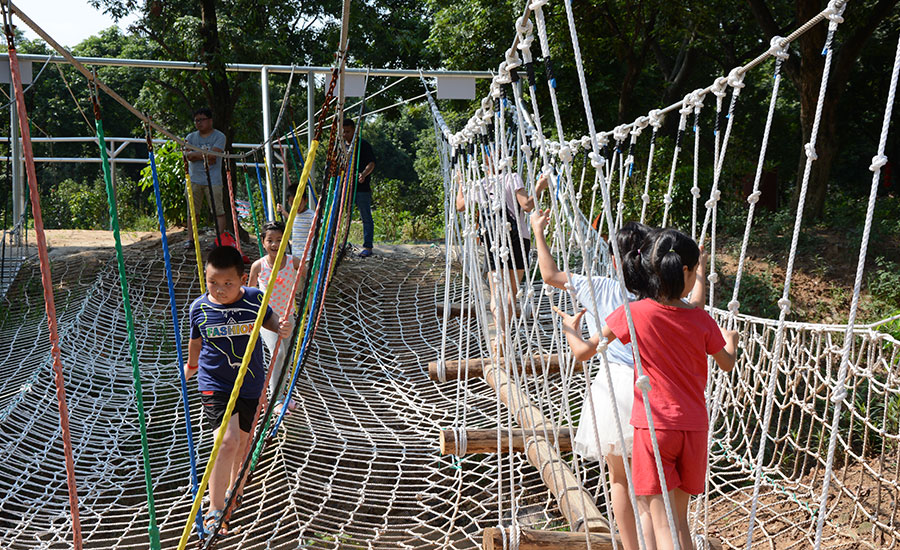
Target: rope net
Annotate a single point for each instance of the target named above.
(804, 443)
(803, 430)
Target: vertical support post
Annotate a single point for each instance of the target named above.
(267, 129)
(310, 117)
(15, 148)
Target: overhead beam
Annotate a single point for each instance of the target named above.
(240, 67)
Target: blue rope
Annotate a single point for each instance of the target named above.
(175, 326)
(262, 193)
(323, 268)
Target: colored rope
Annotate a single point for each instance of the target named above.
(175, 325)
(234, 216)
(129, 321)
(253, 213)
(46, 283)
(193, 213)
(242, 371)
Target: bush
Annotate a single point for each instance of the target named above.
(73, 205)
(170, 172)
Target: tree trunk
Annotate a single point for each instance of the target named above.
(219, 94)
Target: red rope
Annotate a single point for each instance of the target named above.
(234, 216)
(47, 283)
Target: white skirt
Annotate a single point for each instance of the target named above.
(607, 434)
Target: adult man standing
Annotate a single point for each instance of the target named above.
(363, 188)
(208, 138)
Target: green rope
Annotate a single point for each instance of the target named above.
(253, 211)
(132, 341)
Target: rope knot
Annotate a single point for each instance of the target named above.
(736, 78)
(538, 4)
(586, 142)
(602, 345)
(718, 87)
(513, 61)
(834, 12)
(839, 395)
(565, 154)
(667, 199)
(526, 149)
(778, 48)
(734, 306)
(785, 305)
(810, 151)
(713, 277)
(524, 25)
(655, 118)
(753, 198)
(877, 162)
(642, 383)
(638, 126)
(695, 191)
(620, 132)
(596, 160)
(603, 139)
(645, 198)
(548, 290)
(686, 105)
(697, 97)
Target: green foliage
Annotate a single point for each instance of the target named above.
(884, 280)
(170, 172)
(73, 205)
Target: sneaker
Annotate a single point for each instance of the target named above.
(366, 252)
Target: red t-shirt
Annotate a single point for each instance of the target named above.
(673, 343)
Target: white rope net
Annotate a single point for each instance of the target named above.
(811, 413)
(803, 443)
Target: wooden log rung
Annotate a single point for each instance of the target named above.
(532, 539)
(485, 441)
(474, 367)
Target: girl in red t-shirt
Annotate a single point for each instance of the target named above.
(673, 338)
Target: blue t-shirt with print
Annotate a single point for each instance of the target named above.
(225, 330)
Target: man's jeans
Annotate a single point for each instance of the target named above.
(364, 205)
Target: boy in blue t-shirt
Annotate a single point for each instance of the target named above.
(221, 322)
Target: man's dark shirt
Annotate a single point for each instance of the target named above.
(365, 157)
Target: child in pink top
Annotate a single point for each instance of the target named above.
(280, 299)
(673, 338)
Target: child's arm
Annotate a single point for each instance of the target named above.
(460, 198)
(582, 349)
(726, 356)
(527, 203)
(698, 293)
(550, 273)
(296, 262)
(281, 326)
(194, 346)
(254, 274)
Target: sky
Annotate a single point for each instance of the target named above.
(67, 21)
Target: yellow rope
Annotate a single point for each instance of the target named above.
(254, 336)
(190, 197)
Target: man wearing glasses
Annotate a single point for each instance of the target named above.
(208, 138)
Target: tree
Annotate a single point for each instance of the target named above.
(804, 68)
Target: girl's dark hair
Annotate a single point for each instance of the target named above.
(272, 226)
(629, 238)
(664, 254)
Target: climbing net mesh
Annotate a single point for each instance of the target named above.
(805, 439)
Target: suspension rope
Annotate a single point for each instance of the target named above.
(46, 278)
(176, 327)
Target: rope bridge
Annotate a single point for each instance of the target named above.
(804, 432)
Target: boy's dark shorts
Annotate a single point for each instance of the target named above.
(215, 403)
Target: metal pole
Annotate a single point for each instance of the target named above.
(267, 129)
(15, 147)
(310, 118)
